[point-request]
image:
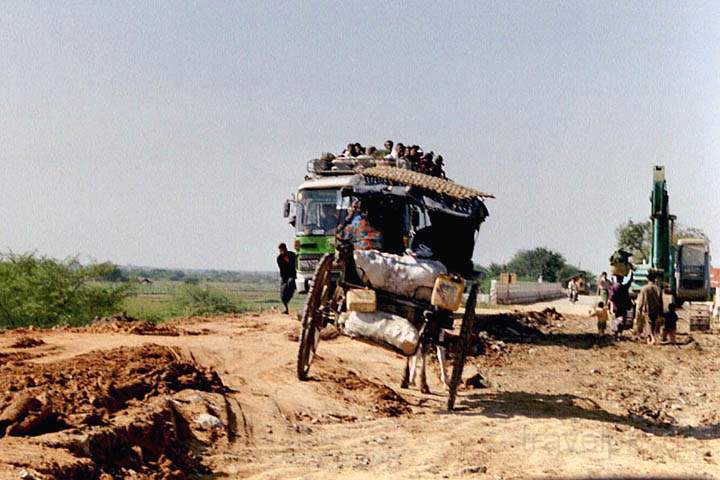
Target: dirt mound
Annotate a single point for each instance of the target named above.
(27, 342)
(88, 388)
(111, 407)
(6, 357)
(125, 324)
(382, 400)
(517, 324)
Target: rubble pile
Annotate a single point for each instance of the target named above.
(124, 324)
(27, 342)
(383, 400)
(114, 411)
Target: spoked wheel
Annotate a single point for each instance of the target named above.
(313, 315)
(466, 329)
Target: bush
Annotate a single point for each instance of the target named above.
(192, 299)
(41, 291)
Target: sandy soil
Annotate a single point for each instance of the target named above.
(114, 401)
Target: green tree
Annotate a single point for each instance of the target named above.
(116, 274)
(636, 238)
(690, 232)
(41, 291)
(536, 262)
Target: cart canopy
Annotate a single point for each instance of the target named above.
(455, 211)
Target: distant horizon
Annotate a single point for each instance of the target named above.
(220, 269)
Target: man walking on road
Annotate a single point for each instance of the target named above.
(286, 263)
(649, 306)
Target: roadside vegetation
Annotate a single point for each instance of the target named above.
(36, 290)
(636, 238)
(41, 291)
(529, 265)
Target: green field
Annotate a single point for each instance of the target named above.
(155, 301)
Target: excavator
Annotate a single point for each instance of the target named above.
(684, 268)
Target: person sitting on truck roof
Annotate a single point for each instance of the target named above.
(349, 150)
(398, 156)
(425, 164)
(412, 156)
(437, 168)
(388, 147)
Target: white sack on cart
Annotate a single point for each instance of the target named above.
(382, 327)
(400, 274)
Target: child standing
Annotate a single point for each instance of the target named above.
(670, 328)
(601, 313)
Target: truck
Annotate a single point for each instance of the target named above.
(318, 207)
(315, 211)
(684, 268)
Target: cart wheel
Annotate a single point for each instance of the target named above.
(466, 330)
(312, 320)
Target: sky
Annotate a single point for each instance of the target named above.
(169, 133)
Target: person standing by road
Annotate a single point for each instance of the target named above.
(649, 306)
(287, 262)
(620, 302)
(603, 287)
(573, 290)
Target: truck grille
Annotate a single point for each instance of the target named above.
(307, 263)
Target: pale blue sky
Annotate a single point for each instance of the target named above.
(170, 133)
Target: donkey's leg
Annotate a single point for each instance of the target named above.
(406, 375)
(441, 356)
(410, 369)
(413, 367)
(423, 370)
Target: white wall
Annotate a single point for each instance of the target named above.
(524, 292)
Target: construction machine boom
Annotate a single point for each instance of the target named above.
(683, 271)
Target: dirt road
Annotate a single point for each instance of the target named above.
(561, 404)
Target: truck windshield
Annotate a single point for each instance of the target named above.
(317, 212)
(693, 256)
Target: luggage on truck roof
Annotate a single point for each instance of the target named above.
(332, 165)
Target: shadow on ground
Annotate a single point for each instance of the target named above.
(539, 405)
(520, 328)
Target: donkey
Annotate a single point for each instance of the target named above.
(421, 354)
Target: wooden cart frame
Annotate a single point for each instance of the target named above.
(334, 274)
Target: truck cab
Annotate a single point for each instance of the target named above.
(319, 205)
(318, 208)
(692, 269)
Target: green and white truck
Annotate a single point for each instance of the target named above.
(315, 211)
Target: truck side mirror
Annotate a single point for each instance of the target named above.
(286, 209)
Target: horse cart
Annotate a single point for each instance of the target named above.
(405, 294)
